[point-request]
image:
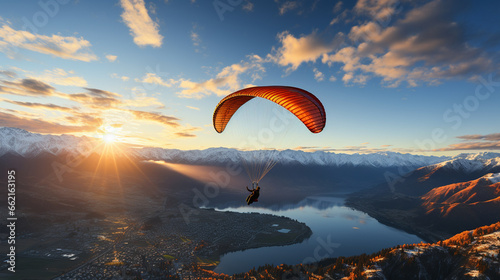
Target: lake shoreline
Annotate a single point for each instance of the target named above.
(335, 223)
(399, 220)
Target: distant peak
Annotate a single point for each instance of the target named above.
(492, 177)
(477, 156)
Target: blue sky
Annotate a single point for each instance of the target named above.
(406, 76)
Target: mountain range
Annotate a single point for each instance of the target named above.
(28, 145)
(438, 200)
(430, 199)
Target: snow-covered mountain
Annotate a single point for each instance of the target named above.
(26, 144)
(225, 155)
(469, 163)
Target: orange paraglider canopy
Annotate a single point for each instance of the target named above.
(304, 105)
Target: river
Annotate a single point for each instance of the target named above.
(337, 231)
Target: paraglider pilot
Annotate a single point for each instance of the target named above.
(254, 196)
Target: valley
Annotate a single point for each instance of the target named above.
(113, 214)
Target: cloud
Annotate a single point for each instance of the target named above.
(96, 98)
(171, 121)
(248, 6)
(425, 45)
(144, 30)
(84, 119)
(8, 73)
(27, 86)
(59, 76)
(184, 134)
(111, 58)
(41, 126)
(338, 7)
(288, 6)
(63, 47)
(142, 100)
(196, 39)
(153, 78)
(193, 108)
(40, 105)
(225, 82)
(102, 99)
(475, 142)
(421, 45)
(318, 75)
(377, 9)
(488, 137)
(95, 108)
(156, 117)
(102, 93)
(123, 78)
(187, 131)
(295, 51)
(472, 146)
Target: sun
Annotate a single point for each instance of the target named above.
(109, 138)
(109, 134)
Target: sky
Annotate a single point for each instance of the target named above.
(418, 77)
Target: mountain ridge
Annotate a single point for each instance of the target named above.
(30, 144)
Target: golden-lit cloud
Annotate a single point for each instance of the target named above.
(41, 126)
(144, 30)
(27, 87)
(142, 100)
(318, 75)
(153, 78)
(184, 134)
(102, 93)
(59, 76)
(426, 36)
(156, 117)
(472, 146)
(123, 78)
(193, 108)
(225, 82)
(85, 119)
(475, 142)
(187, 131)
(40, 105)
(56, 45)
(111, 58)
(96, 98)
(295, 51)
(94, 108)
(487, 137)
(420, 45)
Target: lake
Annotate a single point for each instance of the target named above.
(337, 231)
